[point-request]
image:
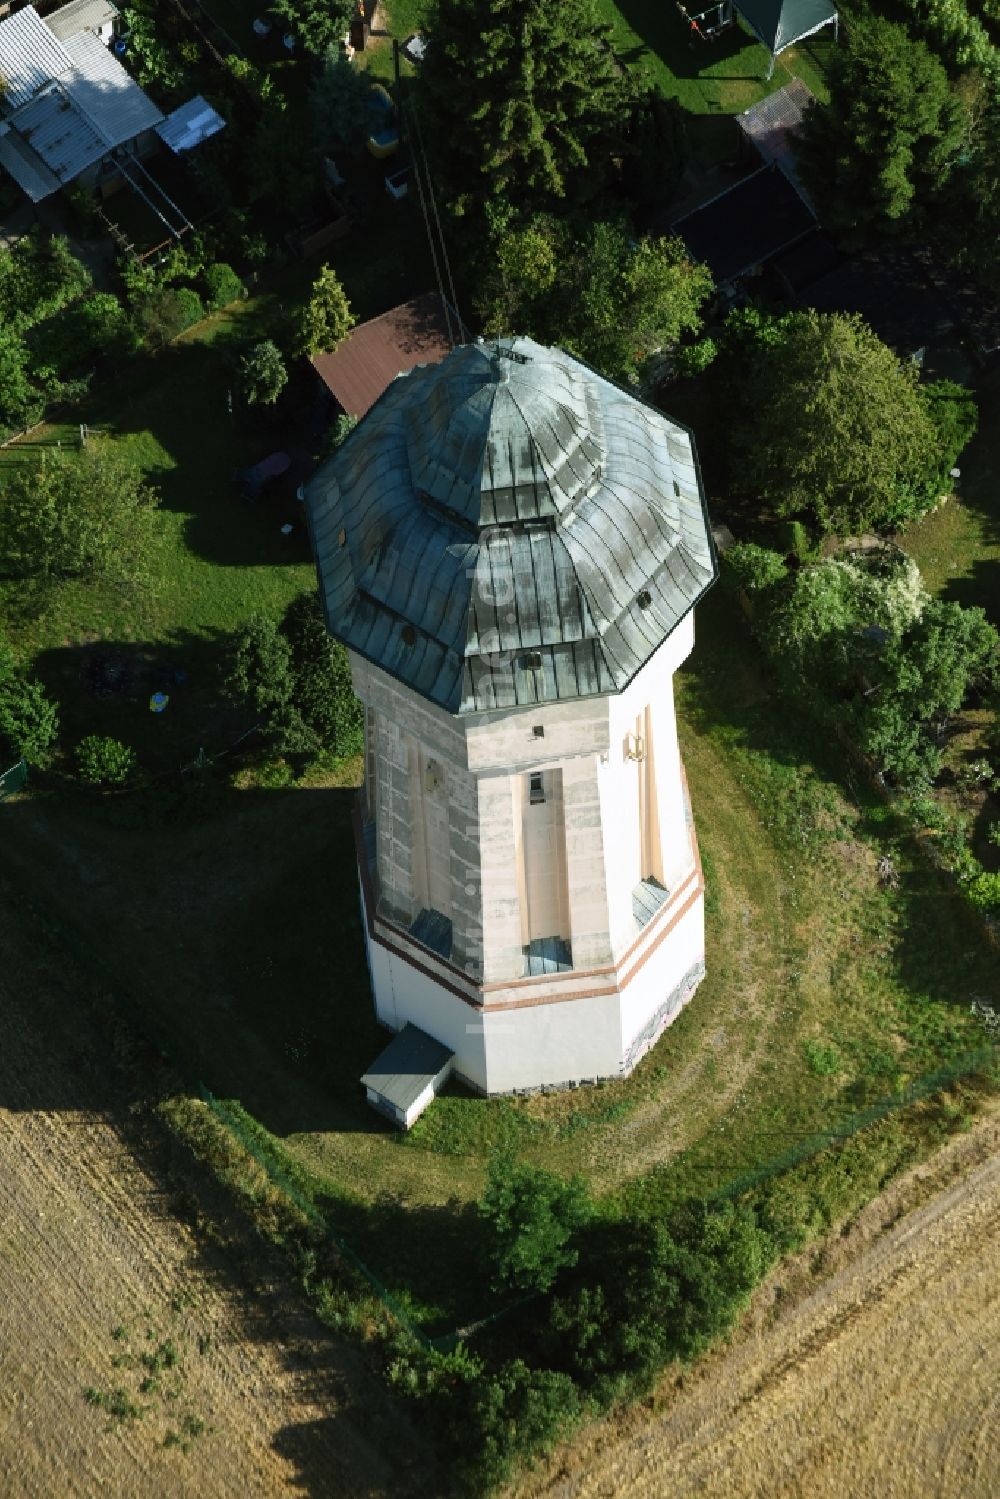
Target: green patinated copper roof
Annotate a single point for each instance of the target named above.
(508, 529)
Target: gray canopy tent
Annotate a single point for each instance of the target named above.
(776, 23)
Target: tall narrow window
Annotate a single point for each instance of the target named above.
(430, 811)
(542, 876)
(650, 857)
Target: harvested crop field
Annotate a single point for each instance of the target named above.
(882, 1381)
(132, 1359)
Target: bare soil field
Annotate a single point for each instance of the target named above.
(882, 1380)
(197, 1384)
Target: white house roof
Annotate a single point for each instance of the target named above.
(102, 89)
(190, 124)
(80, 15)
(507, 527)
(30, 57)
(73, 117)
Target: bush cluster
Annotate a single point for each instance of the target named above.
(859, 641)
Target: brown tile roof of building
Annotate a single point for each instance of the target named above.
(371, 356)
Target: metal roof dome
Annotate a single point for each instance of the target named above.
(507, 527)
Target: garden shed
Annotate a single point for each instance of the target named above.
(374, 353)
(404, 1078)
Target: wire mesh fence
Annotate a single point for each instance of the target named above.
(14, 779)
(984, 1061)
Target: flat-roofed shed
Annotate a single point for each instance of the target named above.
(404, 1078)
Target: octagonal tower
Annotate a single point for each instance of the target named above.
(511, 548)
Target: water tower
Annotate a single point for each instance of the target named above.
(511, 548)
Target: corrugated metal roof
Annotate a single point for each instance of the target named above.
(80, 15)
(58, 133)
(26, 167)
(30, 57)
(409, 1064)
(190, 124)
(81, 104)
(373, 354)
(101, 88)
(503, 531)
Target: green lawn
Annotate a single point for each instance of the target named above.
(236, 936)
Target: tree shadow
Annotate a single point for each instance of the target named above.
(193, 438)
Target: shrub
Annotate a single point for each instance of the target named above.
(753, 567)
(983, 890)
(533, 1217)
(262, 373)
(322, 690)
(101, 761)
(953, 411)
(165, 312)
(94, 330)
(222, 286)
(29, 720)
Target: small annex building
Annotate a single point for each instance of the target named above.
(511, 548)
(404, 1078)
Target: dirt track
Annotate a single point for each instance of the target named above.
(96, 1273)
(885, 1381)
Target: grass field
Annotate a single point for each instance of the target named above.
(237, 936)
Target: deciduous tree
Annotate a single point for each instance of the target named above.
(533, 1217)
(87, 516)
(596, 290)
(826, 422)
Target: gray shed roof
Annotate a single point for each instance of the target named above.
(80, 15)
(190, 124)
(503, 530)
(409, 1064)
(30, 56)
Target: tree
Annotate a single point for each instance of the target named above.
(317, 24)
(85, 516)
(262, 373)
(890, 135)
(327, 317)
(322, 691)
(517, 101)
(532, 1217)
(596, 290)
(825, 422)
(340, 102)
(29, 720)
